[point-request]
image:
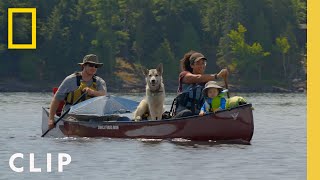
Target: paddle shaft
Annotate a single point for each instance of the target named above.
(226, 84)
(65, 113)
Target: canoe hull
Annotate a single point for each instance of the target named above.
(226, 125)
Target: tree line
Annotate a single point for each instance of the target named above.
(261, 42)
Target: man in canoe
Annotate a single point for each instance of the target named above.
(74, 85)
(191, 83)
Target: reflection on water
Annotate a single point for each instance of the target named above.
(195, 144)
(277, 150)
(209, 143)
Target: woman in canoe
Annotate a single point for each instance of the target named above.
(191, 83)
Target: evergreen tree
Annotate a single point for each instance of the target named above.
(283, 47)
(164, 55)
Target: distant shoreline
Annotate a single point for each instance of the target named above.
(22, 87)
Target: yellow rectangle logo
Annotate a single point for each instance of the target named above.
(33, 44)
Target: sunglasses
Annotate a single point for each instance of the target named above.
(204, 63)
(92, 65)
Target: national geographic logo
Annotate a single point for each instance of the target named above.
(33, 12)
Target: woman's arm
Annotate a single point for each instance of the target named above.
(190, 78)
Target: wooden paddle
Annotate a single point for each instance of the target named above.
(65, 113)
(226, 84)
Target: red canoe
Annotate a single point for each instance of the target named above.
(234, 124)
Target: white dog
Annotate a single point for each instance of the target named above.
(153, 103)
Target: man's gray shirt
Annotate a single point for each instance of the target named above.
(69, 84)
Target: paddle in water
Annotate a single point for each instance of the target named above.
(62, 115)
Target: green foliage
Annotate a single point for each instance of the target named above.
(282, 45)
(189, 39)
(246, 59)
(249, 37)
(165, 55)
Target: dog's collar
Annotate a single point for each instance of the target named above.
(153, 93)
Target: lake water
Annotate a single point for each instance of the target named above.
(277, 150)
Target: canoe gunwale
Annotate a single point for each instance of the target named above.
(166, 120)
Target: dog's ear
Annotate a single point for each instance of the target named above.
(160, 68)
(145, 71)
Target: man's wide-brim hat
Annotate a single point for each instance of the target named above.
(92, 59)
(211, 84)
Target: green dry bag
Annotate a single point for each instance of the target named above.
(235, 102)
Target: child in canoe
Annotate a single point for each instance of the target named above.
(214, 98)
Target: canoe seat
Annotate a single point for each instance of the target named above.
(184, 113)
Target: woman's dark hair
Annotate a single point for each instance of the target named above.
(185, 61)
